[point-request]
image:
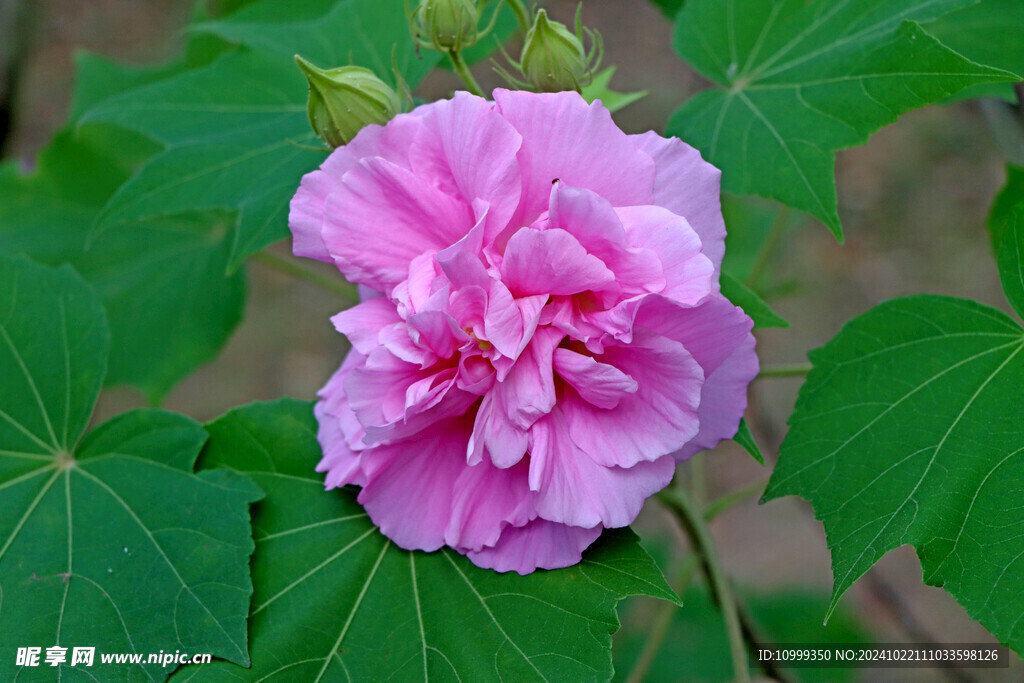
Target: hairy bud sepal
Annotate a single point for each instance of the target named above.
(346, 99)
(553, 57)
(447, 25)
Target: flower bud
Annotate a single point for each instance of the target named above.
(553, 58)
(449, 25)
(344, 100)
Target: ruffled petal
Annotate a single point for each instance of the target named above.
(382, 217)
(363, 323)
(689, 275)
(551, 262)
(410, 485)
(469, 151)
(494, 437)
(592, 220)
(599, 384)
(538, 545)
(485, 501)
(339, 432)
(573, 489)
(566, 139)
(718, 335)
(690, 187)
(306, 215)
(665, 403)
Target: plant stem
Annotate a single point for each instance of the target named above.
(662, 623)
(700, 536)
(771, 243)
(785, 370)
(288, 266)
(522, 14)
(728, 500)
(462, 70)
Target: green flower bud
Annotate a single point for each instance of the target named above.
(449, 25)
(553, 57)
(344, 100)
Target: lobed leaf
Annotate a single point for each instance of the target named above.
(235, 132)
(909, 429)
(334, 599)
(108, 541)
(161, 280)
(800, 81)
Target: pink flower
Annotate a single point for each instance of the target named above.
(541, 335)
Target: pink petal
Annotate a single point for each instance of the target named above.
(566, 139)
(592, 220)
(503, 443)
(339, 433)
(382, 217)
(538, 545)
(395, 400)
(551, 262)
(469, 151)
(509, 323)
(660, 417)
(363, 322)
(573, 489)
(688, 186)
(528, 390)
(599, 384)
(689, 275)
(485, 501)
(718, 336)
(306, 217)
(410, 485)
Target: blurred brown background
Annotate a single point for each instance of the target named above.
(913, 203)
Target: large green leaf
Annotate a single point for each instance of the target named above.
(802, 80)
(910, 429)
(108, 541)
(161, 280)
(235, 132)
(1011, 259)
(988, 32)
(1005, 205)
(336, 600)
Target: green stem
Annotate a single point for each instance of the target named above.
(767, 251)
(288, 266)
(700, 536)
(522, 14)
(662, 623)
(462, 70)
(785, 370)
(729, 500)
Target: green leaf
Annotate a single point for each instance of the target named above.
(802, 80)
(1005, 205)
(909, 430)
(753, 305)
(745, 439)
(108, 541)
(614, 101)
(1011, 260)
(696, 640)
(235, 132)
(336, 599)
(162, 280)
(988, 33)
